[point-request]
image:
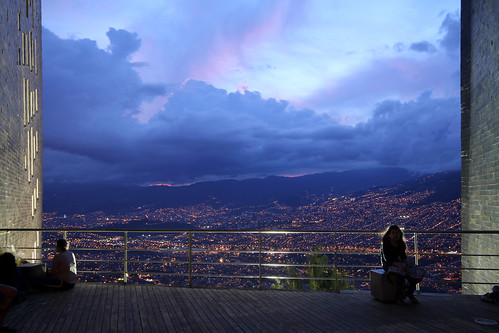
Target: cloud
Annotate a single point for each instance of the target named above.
(123, 43)
(207, 133)
(92, 97)
(398, 76)
(203, 39)
(422, 135)
(89, 98)
(423, 46)
(451, 26)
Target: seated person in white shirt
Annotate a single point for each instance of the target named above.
(62, 275)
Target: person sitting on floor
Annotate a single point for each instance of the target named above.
(62, 275)
(7, 296)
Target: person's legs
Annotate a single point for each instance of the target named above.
(46, 283)
(400, 288)
(7, 297)
(67, 286)
(411, 287)
(51, 283)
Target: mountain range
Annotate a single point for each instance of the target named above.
(292, 191)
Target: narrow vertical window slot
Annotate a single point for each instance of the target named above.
(28, 106)
(33, 145)
(31, 51)
(32, 153)
(32, 15)
(29, 160)
(26, 49)
(31, 104)
(22, 45)
(24, 101)
(28, 53)
(36, 56)
(32, 206)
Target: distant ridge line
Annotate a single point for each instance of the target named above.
(292, 191)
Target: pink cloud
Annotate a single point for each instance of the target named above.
(395, 78)
(229, 49)
(242, 88)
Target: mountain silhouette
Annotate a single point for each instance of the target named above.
(443, 186)
(293, 191)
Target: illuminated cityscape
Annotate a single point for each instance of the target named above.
(225, 259)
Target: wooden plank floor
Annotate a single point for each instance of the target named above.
(92, 307)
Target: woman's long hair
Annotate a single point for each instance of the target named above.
(386, 235)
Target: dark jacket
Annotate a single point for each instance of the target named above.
(391, 254)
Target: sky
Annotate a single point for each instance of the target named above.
(181, 91)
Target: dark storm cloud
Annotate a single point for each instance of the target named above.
(89, 96)
(122, 42)
(91, 134)
(423, 46)
(451, 26)
(422, 135)
(205, 131)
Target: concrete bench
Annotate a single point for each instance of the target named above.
(381, 287)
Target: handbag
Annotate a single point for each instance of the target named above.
(414, 271)
(397, 270)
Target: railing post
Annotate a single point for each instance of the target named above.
(125, 257)
(260, 258)
(335, 245)
(416, 257)
(190, 259)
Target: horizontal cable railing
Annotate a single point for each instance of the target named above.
(280, 257)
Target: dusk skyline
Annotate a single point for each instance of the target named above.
(179, 92)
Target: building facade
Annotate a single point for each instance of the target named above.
(480, 143)
(21, 137)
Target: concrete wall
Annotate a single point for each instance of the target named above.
(480, 141)
(21, 139)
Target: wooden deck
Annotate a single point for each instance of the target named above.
(92, 307)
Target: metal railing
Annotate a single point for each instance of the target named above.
(197, 250)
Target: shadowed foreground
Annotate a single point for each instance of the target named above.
(92, 307)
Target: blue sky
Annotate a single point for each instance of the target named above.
(174, 92)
